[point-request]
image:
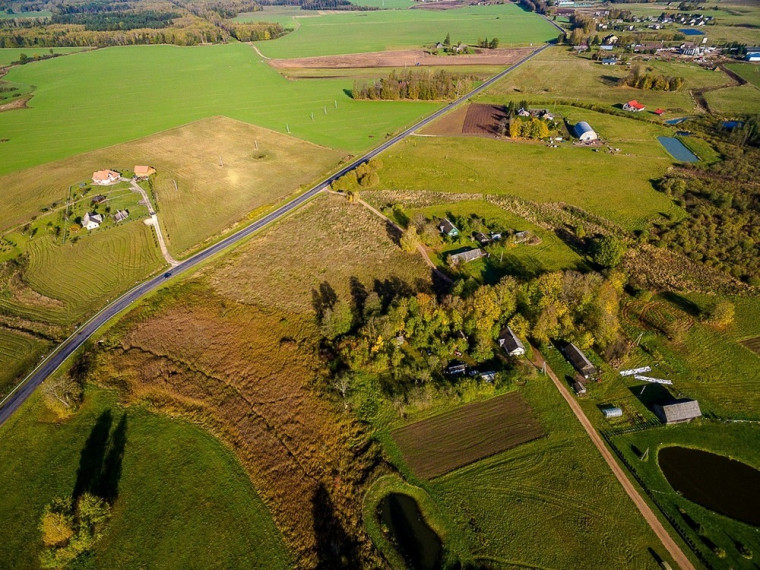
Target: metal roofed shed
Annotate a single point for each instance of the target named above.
(612, 412)
(678, 411)
(584, 132)
(466, 256)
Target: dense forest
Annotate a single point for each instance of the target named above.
(422, 85)
(113, 21)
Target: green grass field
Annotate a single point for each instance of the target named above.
(734, 100)
(72, 280)
(386, 4)
(284, 15)
(354, 32)
(165, 86)
(19, 352)
(556, 74)
(536, 506)
(616, 187)
(748, 71)
(8, 55)
(4, 15)
(183, 499)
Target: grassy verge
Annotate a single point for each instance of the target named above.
(166, 513)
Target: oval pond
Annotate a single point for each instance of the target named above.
(721, 484)
(416, 541)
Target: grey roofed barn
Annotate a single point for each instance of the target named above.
(579, 360)
(678, 411)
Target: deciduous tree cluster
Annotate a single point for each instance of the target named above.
(423, 85)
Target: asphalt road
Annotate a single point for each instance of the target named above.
(25, 389)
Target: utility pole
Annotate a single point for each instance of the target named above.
(325, 110)
(221, 162)
(336, 103)
(255, 144)
(175, 186)
(312, 116)
(287, 128)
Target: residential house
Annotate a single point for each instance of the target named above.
(659, 112)
(144, 171)
(522, 237)
(456, 369)
(481, 238)
(579, 361)
(678, 411)
(609, 61)
(466, 256)
(610, 40)
(512, 345)
(105, 177)
(633, 106)
(584, 132)
(447, 228)
(98, 199)
(91, 221)
(604, 47)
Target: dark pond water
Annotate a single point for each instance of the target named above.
(417, 542)
(677, 149)
(721, 484)
(677, 121)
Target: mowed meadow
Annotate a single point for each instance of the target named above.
(355, 32)
(100, 98)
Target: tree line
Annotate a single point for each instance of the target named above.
(114, 21)
(652, 81)
(422, 85)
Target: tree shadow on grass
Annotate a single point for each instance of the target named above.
(335, 548)
(100, 462)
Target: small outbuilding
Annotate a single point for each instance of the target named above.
(481, 238)
(579, 361)
(678, 411)
(612, 412)
(466, 256)
(512, 345)
(659, 112)
(584, 132)
(609, 61)
(120, 216)
(456, 369)
(447, 228)
(579, 389)
(144, 171)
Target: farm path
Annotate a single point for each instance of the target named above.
(420, 247)
(667, 541)
(258, 51)
(153, 221)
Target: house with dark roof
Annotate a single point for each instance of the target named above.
(481, 238)
(579, 361)
(120, 216)
(512, 345)
(447, 228)
(678, 411)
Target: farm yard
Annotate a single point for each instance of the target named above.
(504, 502)
(187, 84)
(166, 512)
(382, 30)
(614, 186)
(464, 435)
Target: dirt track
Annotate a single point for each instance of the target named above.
(670, 545)
(402, 58)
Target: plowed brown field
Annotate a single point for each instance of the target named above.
(401, 58)
(440, 444)
(477, 119)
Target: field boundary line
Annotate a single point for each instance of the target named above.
(646, 511)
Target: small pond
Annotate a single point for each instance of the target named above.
(417, 542)
(691, 32)
(677, 149)
(716, 482)
(676, 121)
